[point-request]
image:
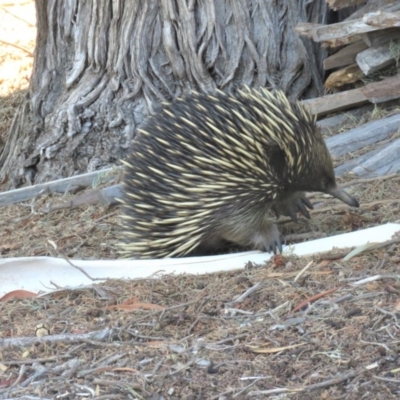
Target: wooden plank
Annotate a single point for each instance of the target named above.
(341, 30)
(345, 56)
(368, 23)
(374, 59)
(106, 196)
(344, 41)
(362, 136)
(382, 19)
(350, 74)
(373, 6)
(306, 29)
(336, 102)
(58, 186)
(387, 161)
(376, 92)
(379, 92)
(348, 166)
(378, 38)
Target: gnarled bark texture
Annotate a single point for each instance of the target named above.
(101, 66)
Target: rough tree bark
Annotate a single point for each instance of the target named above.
(101, 66)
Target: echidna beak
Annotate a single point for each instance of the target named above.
(342, 195)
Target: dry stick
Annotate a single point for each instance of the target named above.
(102, 335)
(374, 278)
(37, 360)
(247, 293)
(302, 271)
(246, 387)
(320, 385)
(315, 298)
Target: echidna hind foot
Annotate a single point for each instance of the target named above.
(269, 240)
(262, 235)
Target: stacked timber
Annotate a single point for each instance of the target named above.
(366, 43)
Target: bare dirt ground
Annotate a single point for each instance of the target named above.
(329, 331)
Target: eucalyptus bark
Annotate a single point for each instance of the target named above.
(102, 66)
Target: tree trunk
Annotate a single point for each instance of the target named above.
(101, 66)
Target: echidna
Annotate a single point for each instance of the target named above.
(209, 168)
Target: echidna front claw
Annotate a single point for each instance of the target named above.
(307, 202)
(279, 245)
(289, 205)
(301, 207)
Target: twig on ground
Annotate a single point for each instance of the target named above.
(320, 385)
(315, 298)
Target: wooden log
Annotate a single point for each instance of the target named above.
(368, 23)
(378, 38)
(386, 161)
(350, 74)
(374, 59)
(373, 6)
(341, 30)
(306, 29)
(382, 19)
(386, 169)
(386, 90)
(338, 4)
(336, 102)
(376, 92)
(365, 135)
(105, 197)
(58, 186)
(345, 56)
(348, 166)
(343, 41)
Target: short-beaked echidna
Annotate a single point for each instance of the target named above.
(209, 169)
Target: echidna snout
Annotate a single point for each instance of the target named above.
(342, 195)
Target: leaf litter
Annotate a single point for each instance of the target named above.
(295, 328)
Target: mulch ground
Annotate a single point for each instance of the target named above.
(294, 328)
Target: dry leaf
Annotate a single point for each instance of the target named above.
(18, 294)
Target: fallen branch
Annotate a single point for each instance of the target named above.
(100, 336)
(58, 186)
(320, 385)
